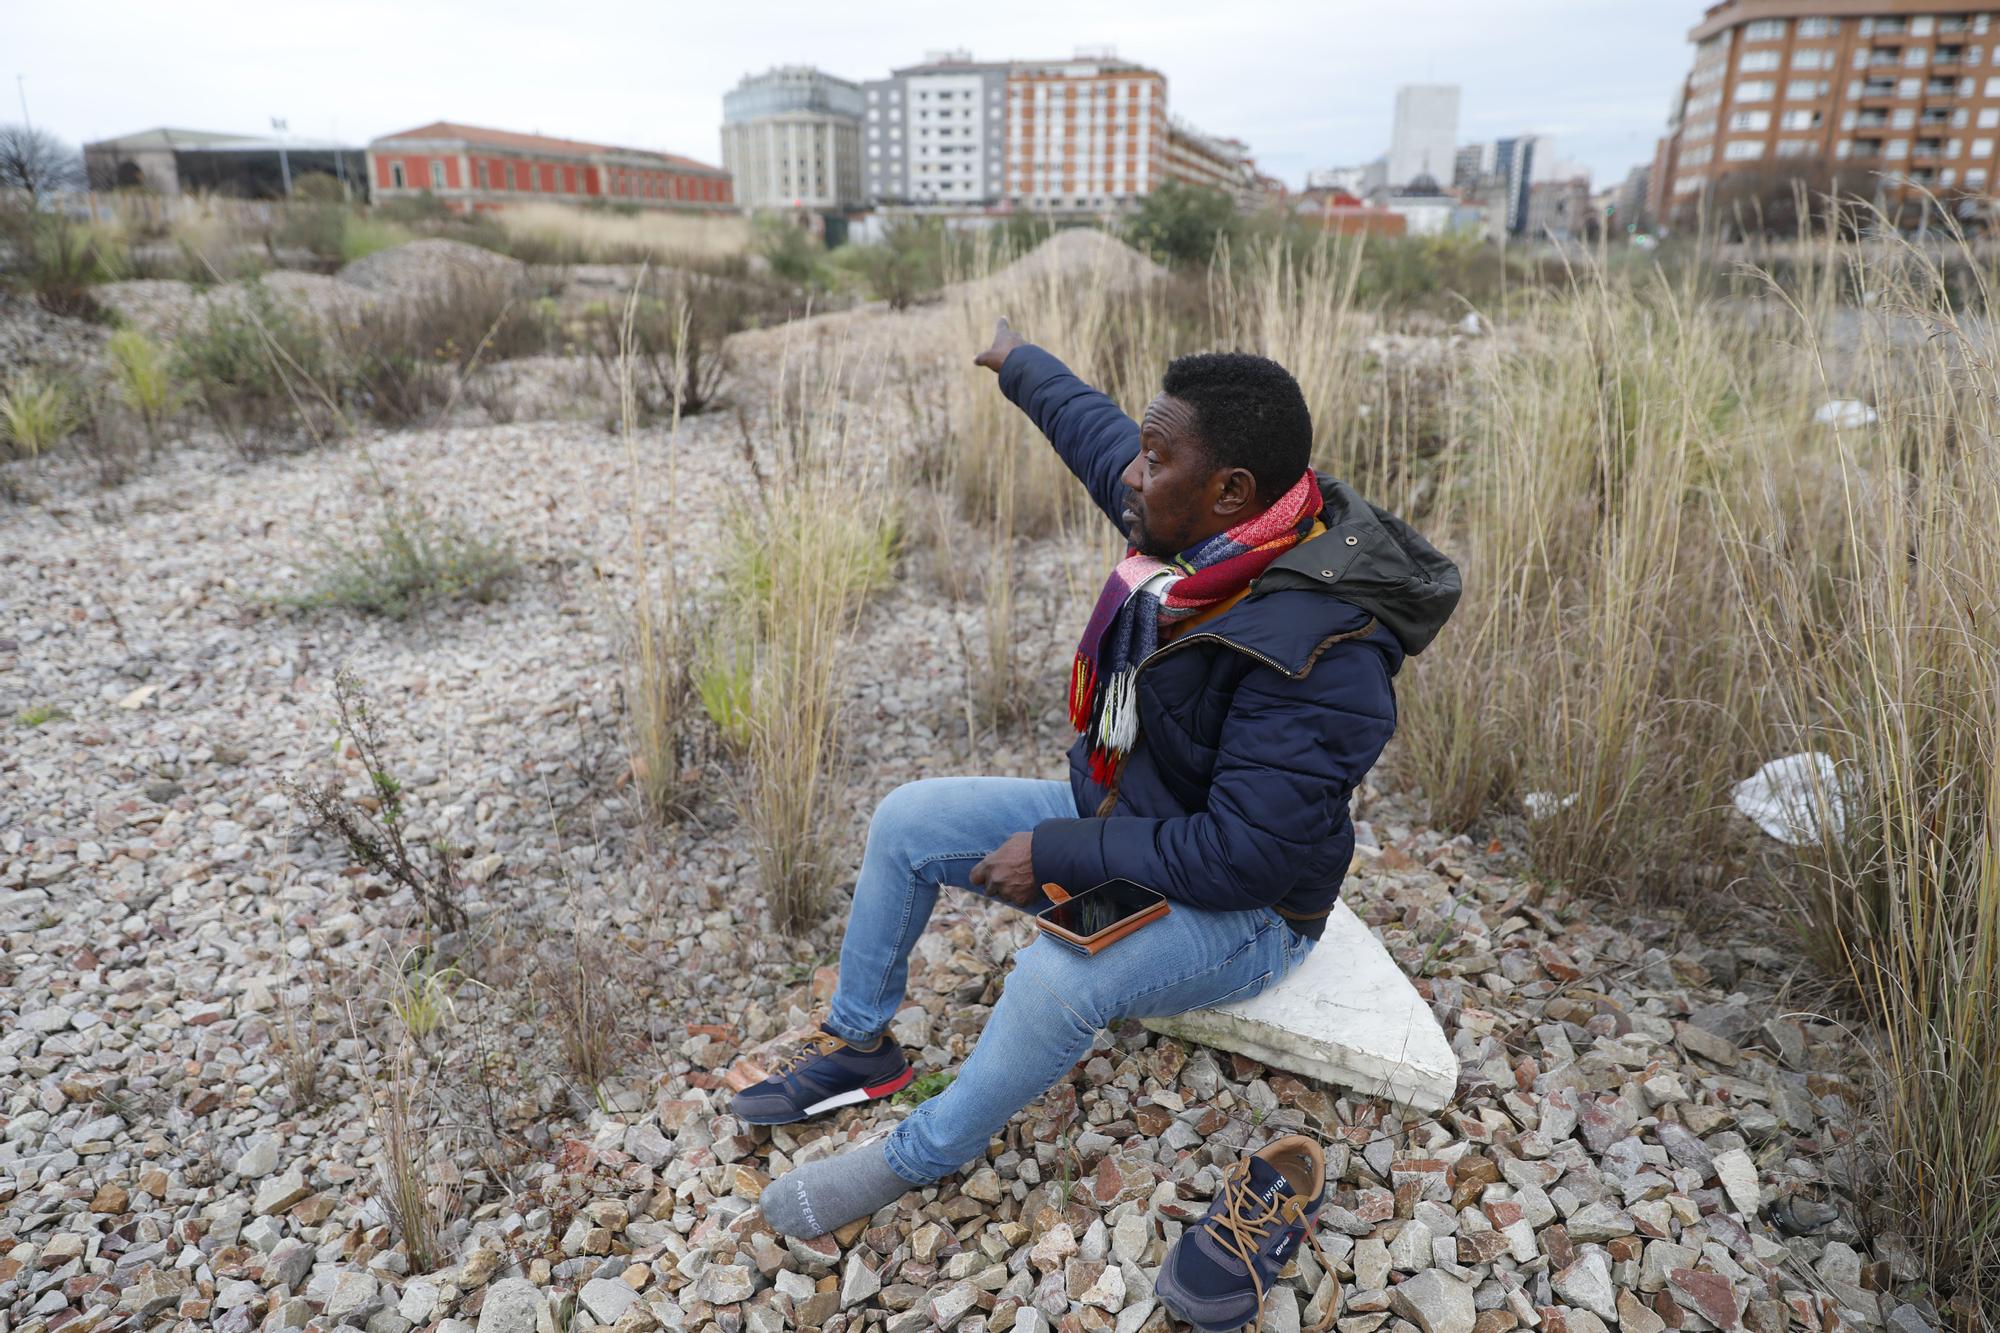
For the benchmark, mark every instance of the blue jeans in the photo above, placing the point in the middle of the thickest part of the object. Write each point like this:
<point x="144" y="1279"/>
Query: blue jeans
<point x="930" y="833"/>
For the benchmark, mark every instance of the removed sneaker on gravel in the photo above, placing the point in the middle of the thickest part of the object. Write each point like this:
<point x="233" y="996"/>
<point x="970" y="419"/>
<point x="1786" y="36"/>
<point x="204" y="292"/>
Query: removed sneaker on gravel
<point x="1216" y="1275"/>
<point x="823" y="1074"/>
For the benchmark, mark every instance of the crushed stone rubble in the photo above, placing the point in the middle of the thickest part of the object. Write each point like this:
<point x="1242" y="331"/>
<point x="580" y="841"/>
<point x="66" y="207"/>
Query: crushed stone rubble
<point x="1645" y="1136"/>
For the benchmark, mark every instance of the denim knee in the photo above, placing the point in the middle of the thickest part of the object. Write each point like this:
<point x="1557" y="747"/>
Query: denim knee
<point x="1057" y="983"/>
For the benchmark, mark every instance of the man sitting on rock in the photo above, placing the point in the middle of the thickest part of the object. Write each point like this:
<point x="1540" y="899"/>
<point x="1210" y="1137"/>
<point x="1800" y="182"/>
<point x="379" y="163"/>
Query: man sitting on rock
<point x="1232" y="687"/>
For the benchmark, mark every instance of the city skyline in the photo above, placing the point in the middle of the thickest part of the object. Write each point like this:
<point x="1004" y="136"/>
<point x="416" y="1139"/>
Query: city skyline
<point x="1258" y="72"/>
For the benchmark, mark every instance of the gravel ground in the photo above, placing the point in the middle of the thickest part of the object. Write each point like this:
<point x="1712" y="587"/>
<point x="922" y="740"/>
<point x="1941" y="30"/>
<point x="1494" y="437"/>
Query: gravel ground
<point x="1646" y="1136"/>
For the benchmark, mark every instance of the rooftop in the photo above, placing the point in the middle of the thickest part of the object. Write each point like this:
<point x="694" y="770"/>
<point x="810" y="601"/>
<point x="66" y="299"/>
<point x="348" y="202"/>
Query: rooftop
<point x="532" y="143"/>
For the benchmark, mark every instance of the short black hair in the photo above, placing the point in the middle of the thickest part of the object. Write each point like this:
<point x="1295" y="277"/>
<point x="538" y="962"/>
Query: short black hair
<point x="1249" y="412"/>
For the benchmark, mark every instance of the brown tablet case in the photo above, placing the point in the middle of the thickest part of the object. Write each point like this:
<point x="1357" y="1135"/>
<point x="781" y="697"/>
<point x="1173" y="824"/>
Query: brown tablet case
<point x="1103" y="939"/>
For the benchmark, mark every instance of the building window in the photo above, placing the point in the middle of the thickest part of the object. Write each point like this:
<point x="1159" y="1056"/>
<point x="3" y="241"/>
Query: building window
<point x="1750" y="120"/>
<point x="1812" y="57"/>
<point x="1980" y="148"/>
<point x="1743" y="150"/>
<point x="1797" y="120"/>
<point x="479" y="172"/>
<point x="1818" y="27"/>
<point x="1805" y="90"/>
<point x="1764" y="30"/>
<point x="437" y="175"/>
<point x="1794" y="148"/>
<point x="396" y="174"/>
<point x="1755" y="90"/>
<point x="1757" y="62"/>
<point x="1975" y="180"/>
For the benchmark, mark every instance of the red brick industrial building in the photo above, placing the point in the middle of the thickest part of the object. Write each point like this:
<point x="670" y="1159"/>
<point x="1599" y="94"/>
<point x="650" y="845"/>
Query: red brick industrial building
<point x="473" y="169"/>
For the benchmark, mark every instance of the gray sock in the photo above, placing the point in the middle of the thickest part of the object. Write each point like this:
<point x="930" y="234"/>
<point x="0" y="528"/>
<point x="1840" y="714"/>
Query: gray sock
<point x="822" y="1196"/>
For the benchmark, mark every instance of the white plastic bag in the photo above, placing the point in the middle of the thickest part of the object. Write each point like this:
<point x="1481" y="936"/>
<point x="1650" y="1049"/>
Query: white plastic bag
<point x="1844" y="414"/>
<point x="1795" y="799"/>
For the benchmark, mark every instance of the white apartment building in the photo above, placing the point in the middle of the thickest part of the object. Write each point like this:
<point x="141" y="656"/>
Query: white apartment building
<point x="935" y="133"/>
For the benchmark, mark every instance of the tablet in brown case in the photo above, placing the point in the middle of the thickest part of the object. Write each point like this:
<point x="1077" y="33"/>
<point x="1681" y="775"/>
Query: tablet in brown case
<point x="1105" y="938"/>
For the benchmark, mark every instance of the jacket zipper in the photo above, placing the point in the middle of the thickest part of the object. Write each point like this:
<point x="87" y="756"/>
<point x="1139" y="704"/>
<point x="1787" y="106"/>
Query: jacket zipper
<point x="1318" y="648"/>
<point x="1158" y="653"/>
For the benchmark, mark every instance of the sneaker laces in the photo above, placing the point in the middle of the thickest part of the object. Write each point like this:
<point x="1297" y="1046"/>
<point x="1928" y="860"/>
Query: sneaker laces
<point x="820" y="1043"/>
<point x="1246" y="1221"/>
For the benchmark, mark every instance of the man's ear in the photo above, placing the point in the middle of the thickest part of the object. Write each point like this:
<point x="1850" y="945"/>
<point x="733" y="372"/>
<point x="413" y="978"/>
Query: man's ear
<point x="1237" y="493"/>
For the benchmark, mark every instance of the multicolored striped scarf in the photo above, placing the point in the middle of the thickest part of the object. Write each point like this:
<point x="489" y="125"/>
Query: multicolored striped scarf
<point x="1145" y="595"/>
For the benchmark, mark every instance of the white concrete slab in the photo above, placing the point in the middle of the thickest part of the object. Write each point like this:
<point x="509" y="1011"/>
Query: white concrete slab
<point x="1347" y="1015"/>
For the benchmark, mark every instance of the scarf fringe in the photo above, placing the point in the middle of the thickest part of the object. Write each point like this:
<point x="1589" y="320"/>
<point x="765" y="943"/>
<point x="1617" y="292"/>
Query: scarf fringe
<point x="1119" y="722"/>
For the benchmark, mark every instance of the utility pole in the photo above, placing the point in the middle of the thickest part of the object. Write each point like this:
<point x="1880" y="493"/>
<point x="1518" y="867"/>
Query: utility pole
<point x="28" y="123"/>
<point x="279" y="123"/>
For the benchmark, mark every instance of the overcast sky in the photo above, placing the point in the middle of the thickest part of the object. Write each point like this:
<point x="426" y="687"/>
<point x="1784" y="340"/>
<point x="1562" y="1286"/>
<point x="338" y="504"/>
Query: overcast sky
<point x="1307" y="83"/>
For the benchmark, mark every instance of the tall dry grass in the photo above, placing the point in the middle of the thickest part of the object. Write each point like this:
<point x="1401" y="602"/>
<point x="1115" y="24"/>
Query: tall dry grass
<point x="577" y="235"/>
<point x="820" y="537"/>
<point x="665" y="736"/>
<point x="1869" y="569"/>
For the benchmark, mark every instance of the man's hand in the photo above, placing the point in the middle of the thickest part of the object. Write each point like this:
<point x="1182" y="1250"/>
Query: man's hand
<point x="1005" y="340"/>
<point x="1009" y="870"/>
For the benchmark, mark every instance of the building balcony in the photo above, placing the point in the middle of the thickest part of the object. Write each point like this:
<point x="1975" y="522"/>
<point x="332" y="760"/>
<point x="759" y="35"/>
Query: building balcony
<point x="1873" y="91"/>
<point x="1941" y="88"/>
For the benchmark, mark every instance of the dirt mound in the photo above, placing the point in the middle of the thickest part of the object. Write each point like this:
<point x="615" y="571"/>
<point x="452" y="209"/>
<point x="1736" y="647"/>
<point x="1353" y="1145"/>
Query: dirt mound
<point x="1081" y="251"/>
<point x="416" y="265"/>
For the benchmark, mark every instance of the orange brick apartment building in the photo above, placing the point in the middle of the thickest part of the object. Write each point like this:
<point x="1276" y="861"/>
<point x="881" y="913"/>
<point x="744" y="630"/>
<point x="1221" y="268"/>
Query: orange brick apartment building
<point x="474" y="169"/>
<point x="1901" y="94"/>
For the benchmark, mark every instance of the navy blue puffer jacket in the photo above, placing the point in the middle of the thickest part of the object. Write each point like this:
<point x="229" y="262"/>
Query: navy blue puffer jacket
<point x="1255" y="727"/>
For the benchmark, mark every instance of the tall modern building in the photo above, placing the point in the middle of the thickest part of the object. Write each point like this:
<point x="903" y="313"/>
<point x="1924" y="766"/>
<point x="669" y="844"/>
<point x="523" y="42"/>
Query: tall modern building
<point x="936" y="133"/>
<point x="1514" y="163"/>
<point x="1424" y="139"/>
<point x="1089" y="133"/>
<point x="1904" y="94"/>
<point x="791" y="138"/>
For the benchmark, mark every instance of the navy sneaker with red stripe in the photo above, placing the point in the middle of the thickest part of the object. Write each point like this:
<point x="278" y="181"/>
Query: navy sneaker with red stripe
<point x="823" y="1074"/>
<point x="1218" y="1272"/>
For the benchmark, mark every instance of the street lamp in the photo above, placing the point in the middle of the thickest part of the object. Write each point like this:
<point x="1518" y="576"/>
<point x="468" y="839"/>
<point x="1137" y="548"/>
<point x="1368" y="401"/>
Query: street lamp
<point x="281" y="125"/>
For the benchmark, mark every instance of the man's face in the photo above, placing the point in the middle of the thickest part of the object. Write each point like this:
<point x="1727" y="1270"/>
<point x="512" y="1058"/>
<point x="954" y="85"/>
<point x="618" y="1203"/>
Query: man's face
<point x="1174" y="489"/>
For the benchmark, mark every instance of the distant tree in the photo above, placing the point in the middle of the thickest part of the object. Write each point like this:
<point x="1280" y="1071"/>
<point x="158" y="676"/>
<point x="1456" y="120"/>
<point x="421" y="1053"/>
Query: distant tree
<point x="36" y="161"/>
<point x="791" y="250"/>
<point x="1780" y="198"/>
<point x="1182" y="223"/>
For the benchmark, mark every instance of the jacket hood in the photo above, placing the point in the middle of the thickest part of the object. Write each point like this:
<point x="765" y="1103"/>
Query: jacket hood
<point x="1374" y="560"/>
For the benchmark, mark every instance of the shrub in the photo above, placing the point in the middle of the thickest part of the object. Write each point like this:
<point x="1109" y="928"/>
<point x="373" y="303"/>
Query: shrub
<point x="36" y="413"/>
<point x="254" y="368"/>
<point x="319" y="228"/>
<point x="669" y="338"/>
<point x="409" y="358"/>
<point x="375" y="828"/>
<point x="65" y="259"/>
<point x="1183" y="224"/>
<point x="791" y="251"/>
<point x="361" y="236"/>
<point x="143" y="374"/>
<point x="908" y="263"/>
<point x="411" y="561"/>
